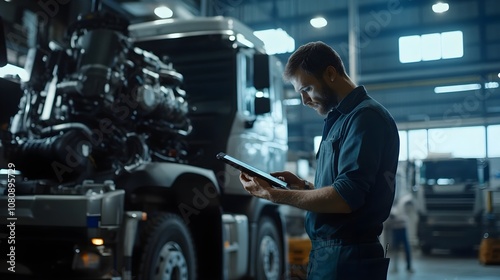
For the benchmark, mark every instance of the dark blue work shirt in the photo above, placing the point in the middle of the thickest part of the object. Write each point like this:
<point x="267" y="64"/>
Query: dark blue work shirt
<point x="358" y="156"/>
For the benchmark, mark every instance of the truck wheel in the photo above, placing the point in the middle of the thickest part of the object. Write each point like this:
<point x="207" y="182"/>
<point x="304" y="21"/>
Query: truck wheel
<point x="167" y="250"/>
<point x="269" y="258"/>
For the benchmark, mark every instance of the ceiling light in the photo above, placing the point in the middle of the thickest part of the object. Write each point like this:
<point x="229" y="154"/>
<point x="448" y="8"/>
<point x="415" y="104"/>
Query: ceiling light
<point x="163" y="12"/>
<point x="498" y="75"/>
<point x="440" y="7"/>
<point x="491" y="85"/>
<point x="318" y="22"/>
<point x="457" y="88"/>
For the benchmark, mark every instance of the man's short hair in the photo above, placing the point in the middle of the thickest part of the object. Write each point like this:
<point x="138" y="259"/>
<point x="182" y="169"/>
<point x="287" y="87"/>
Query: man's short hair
<point x="313" y="58"/>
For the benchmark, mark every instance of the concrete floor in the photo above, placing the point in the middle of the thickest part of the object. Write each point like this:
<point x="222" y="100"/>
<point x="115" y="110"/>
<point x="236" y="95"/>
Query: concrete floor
<point x="441" y="265"/>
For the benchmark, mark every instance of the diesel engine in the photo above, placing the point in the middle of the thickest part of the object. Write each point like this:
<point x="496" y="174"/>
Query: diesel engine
<point x="97" y="106"/>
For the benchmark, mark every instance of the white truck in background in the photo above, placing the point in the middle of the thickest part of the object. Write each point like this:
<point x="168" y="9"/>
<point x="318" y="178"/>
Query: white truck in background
<point x="112" y="171"/>
<point x="450" y="203"/>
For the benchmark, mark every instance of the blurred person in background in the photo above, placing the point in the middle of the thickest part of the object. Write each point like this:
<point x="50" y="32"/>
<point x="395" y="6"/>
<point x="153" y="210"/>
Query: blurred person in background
<point x="397" y="226"/>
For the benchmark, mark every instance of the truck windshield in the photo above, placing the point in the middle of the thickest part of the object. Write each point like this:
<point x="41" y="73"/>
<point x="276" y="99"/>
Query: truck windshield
<point x="448" y="172"/>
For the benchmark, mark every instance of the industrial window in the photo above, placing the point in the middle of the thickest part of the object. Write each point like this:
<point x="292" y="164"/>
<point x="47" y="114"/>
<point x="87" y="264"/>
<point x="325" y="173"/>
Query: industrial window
<point x="403" y="145"/>
<point x="457" y="141"/>
<point x="432" y="46"/>
<point x="317" y="142"/>
<point x="493" y="136"/>
<point x="417" y="144"/>
<point x="276" y="41"/>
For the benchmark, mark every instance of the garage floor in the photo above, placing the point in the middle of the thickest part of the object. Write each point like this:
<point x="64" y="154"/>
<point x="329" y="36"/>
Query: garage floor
<point x="441" y="265"/>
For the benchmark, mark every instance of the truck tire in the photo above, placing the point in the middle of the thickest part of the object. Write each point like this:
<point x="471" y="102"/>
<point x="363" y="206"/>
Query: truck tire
<point x="269" y="258"/>
<point x="167" y="250"/>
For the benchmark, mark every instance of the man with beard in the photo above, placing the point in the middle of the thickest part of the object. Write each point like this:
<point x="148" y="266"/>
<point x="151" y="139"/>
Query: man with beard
<point x="354" y="184"/>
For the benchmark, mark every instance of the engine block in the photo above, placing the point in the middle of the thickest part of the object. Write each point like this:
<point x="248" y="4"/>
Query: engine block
<point x="97" y="104"/>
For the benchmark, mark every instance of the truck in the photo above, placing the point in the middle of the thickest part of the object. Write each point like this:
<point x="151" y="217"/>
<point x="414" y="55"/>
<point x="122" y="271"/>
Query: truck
<point x="450" y="203"/>
<point x="111" y="159"/>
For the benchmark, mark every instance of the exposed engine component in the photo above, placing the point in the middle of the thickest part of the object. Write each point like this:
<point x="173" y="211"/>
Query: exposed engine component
<point x="98" y="104"/>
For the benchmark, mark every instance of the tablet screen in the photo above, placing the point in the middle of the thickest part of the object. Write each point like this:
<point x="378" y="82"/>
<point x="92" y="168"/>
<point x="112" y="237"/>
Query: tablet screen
<point x="275" y="182"/>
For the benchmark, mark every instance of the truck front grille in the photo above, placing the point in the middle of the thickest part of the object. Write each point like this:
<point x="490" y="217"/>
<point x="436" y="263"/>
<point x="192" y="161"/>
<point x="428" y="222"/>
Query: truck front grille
<point x="452" y="202"/>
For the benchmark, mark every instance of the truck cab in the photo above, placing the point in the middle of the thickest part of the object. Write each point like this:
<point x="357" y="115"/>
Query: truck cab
<point x="450" y="203"/>
<point x="235" y="91"/>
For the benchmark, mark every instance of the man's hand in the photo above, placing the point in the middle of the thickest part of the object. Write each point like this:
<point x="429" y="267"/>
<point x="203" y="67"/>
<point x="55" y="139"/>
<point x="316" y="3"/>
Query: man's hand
<point x="256" y="186"/>
<point x="293" y="180"/>
<point x="321" y="200"/>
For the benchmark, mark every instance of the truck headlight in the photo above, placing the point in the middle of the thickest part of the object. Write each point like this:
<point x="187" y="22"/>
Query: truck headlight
<point x="97" y="241"/>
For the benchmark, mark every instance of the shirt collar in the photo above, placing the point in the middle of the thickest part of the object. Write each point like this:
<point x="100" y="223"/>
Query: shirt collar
<point x="351" y="100"/>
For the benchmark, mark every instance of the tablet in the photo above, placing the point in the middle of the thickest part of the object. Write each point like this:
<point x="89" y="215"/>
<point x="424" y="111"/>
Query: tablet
<point x="273" y="181"/>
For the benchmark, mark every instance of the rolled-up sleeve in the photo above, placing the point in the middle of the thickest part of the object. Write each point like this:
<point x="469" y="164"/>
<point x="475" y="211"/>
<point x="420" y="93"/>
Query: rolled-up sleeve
<point x="360" y="156"/>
